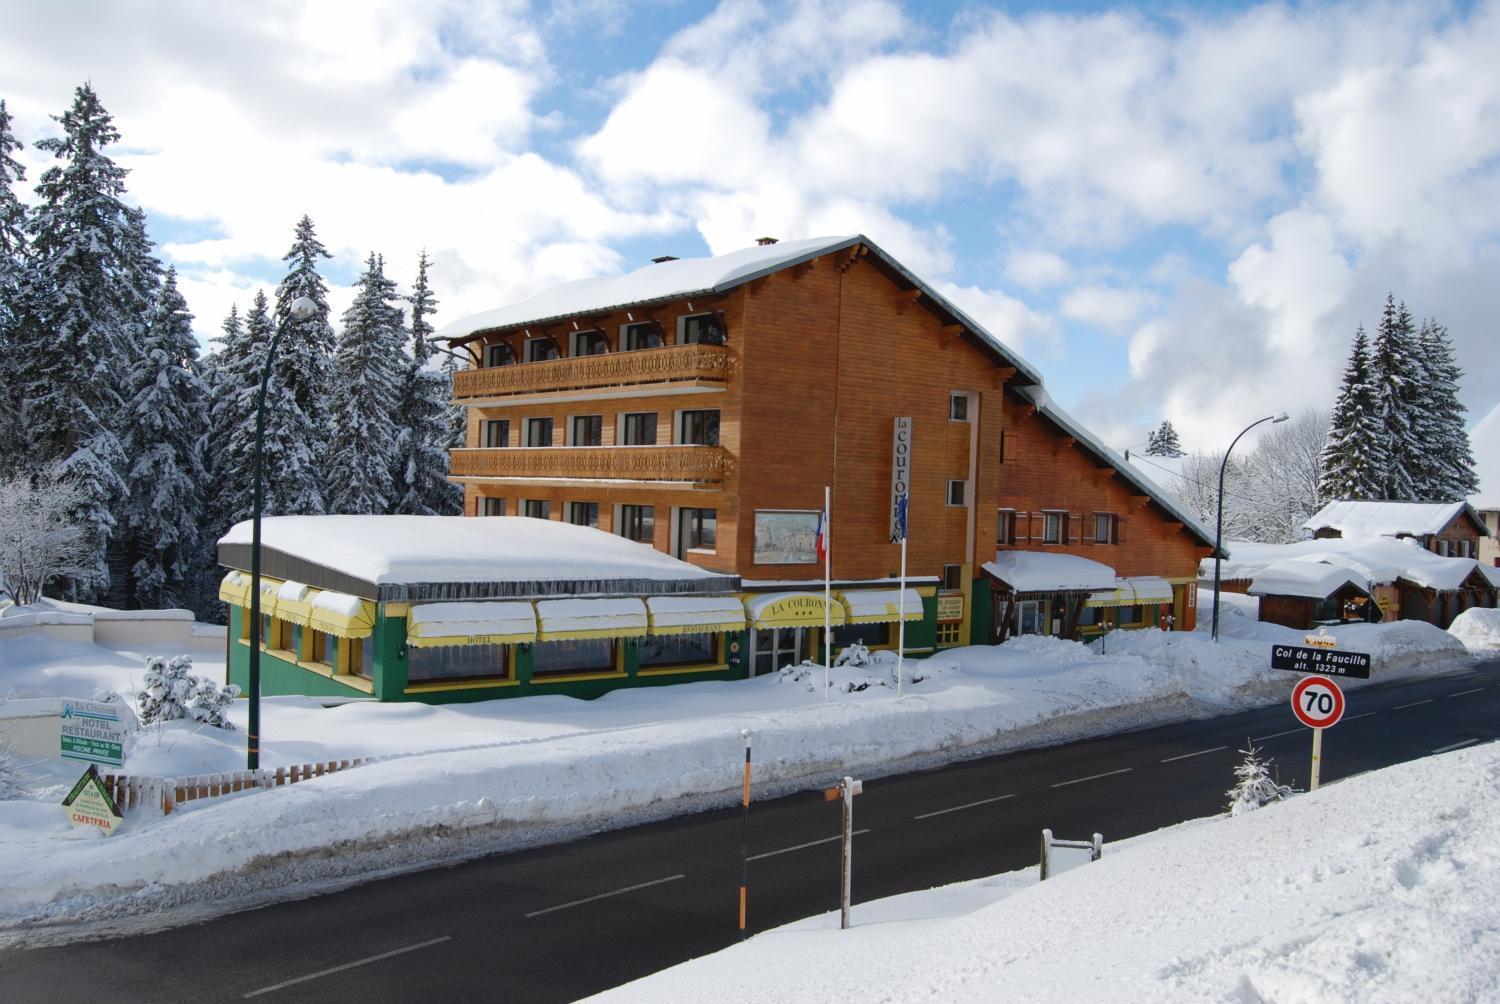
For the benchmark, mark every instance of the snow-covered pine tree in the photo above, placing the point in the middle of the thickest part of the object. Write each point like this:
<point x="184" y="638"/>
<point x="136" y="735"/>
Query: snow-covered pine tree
<point x="367" y="370"/>
<point x="72" y="348"/>
<point x="1448" y="458"/>
<point x="291" y="455"/>
<point x="1162" y="442"/>
<point x="425" y="416"/>
<point x="304" y="357"/>
<point x="165" y="421"/>
<point x="230" y="436"/>
<point x="12" y="268"/>
<point x="1354" y="459"/>
<point x="1397" y="376"/>
<point x="1254" y="786"/>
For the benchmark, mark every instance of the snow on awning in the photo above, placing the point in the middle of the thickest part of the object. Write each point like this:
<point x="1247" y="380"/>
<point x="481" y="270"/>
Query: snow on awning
<point x="434" y="625"/>
<point x="294" y="602"/>
<point x="879" y="606"/>
<point x="694" y="614"/>
<point x="566" y="620"/>
<point x="1151" y="589"/>
<point x="342" y="615"/>
<point x="795" y="609"/>
<point x="1307" y="579"/>
<point x="235" y="589"/>
<point x="1041" y="572"/>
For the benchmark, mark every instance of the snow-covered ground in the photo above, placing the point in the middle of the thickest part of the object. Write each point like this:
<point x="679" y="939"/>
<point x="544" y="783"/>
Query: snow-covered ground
<point x="518" y="772"/>
<point x="1377" y="888"/>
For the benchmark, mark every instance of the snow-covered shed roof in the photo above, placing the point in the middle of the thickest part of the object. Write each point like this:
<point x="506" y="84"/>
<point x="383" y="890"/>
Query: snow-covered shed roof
<point x="461" y="557"/>
<point x="1361" y="518"/>
<point x="1309" y="579"/>
<point x="1379" y="560"/>
<point x="1045" y="572"/>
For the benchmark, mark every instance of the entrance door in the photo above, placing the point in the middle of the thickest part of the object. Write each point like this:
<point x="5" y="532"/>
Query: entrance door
<point x="775" y="648"/>
<point x="1029" y="617"/>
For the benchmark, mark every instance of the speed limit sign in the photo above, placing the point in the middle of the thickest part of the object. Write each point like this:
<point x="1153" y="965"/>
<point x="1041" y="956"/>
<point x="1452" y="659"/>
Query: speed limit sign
<point x="1318" y="702"/>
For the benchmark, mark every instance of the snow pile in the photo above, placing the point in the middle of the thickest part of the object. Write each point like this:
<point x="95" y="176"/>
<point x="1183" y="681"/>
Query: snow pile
<point x="1379" y="887"/>
<point x="1478" y="628"/>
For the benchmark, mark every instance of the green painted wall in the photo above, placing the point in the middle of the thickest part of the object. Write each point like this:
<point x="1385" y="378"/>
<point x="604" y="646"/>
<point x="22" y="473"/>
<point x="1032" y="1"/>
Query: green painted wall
<point x="982" y="616"/>
<point x="277" y="676"/>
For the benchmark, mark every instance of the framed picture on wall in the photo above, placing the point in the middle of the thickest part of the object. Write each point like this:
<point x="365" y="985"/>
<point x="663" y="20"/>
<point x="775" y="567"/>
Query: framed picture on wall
<point x="786" y="536"/>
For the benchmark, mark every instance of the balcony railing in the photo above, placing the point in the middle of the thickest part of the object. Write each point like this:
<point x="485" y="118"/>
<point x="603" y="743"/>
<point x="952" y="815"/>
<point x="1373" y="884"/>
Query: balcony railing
<point x="703" y="464"/>
<point x="672" y="364"/>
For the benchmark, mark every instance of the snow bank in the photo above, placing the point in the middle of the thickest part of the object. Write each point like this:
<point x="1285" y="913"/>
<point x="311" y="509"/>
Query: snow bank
<point x="1478" y="628"/>
<point x="1377" y="888"/>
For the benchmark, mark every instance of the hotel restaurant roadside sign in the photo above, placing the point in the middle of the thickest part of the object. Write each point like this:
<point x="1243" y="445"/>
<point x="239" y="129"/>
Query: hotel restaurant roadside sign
<point x="900" y="468"/>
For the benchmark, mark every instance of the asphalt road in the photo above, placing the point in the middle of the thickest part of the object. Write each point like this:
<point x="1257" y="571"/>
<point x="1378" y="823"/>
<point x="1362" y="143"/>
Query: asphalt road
<point x="560" y="922"/>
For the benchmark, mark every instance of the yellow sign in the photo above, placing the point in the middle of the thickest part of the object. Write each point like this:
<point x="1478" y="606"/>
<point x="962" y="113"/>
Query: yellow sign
<point x="798" y="610"/>
<point x="950" y="608"/>
<point x="1321" y="640"/>
<point x="89" y="804"/>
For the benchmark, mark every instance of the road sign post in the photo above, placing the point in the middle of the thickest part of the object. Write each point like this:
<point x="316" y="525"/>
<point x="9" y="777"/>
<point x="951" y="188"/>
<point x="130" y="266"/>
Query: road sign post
<point x="1318" y="703"/>
<point x="745" y="835"/>
<point x="846" y="791"/>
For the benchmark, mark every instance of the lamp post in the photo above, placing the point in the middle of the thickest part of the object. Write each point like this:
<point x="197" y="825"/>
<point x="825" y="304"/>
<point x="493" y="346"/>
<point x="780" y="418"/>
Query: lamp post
<point x="301" y="309"/>
<point x="1219" y="530"/>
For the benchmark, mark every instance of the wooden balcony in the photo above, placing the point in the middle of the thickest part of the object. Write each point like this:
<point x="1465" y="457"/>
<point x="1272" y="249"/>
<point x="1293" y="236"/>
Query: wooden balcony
<point x="688" y="464"/>
<point x="677" y="365"/>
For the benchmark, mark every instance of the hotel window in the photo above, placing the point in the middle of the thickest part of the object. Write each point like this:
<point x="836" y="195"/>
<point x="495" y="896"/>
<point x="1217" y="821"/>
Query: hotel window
<point x="638" y="429"/>
<point x="697" y="529"/>
<point x="537" y="508"/>
<point x="678" y="650"/>
<point x="1005" y="527"/>
<point x="497" y="432"/>
<point x="949" y="635"/>
<point x="953" y="577"/>
<point x="583" y="513"/>
<point x="491" y="506"/>
<point x="699" y="428"/>
<point x="361" y="657"/>
<point x="701" y="329"/>
<point x="638" y="523"/>
<point x="499" y="354"/>
<point x="589" y="343"/>
<point x="539" y="432"/>
<point x="645" y="335"/>
<point x="1104" y="528"/>
<point x="457" y="662"/>
<point x="958" y="406"/>
<point x="957" y="492"/>
<point x="581" y="655"/>
<point x="588" y="430"/>
<point x="1052" y="527"/>
<point x="540" y="350"/>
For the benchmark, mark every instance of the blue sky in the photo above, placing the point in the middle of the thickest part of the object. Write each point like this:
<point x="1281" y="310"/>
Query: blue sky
<point x="1175" y="211"/>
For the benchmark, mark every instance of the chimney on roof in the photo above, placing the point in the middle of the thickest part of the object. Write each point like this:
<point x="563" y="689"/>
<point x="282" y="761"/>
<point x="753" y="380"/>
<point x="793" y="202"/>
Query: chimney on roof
<point x="663" y="257"/>
<point x="764" y="241"/>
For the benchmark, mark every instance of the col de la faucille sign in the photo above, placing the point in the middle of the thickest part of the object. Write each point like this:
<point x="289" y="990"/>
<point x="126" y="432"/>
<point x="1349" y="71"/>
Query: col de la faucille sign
<point x="92" y="732"/>
<point x="900" y="468"/>
<point x="1323" y="661"/>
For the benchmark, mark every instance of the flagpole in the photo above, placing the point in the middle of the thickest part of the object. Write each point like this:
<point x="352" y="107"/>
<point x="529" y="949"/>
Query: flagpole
<point x="827" y="589"/>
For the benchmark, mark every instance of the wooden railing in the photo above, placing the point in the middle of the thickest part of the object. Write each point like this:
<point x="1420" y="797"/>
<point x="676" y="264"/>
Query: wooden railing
<point x="637" y="463"/>
<point x="611" y="369"/>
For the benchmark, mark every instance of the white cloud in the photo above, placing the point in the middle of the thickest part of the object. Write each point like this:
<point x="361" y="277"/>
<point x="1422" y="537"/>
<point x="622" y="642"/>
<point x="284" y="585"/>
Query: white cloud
<point x="1036" y="269"/>
<point x="1106" y="307"/>
<point x="1008" y="319"/>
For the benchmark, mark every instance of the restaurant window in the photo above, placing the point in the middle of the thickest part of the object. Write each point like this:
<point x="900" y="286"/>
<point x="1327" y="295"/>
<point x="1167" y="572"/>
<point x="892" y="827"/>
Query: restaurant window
<point x="678" y="650"/>
<point x="537" y="508"/>
<point x="583" y="513"/>
<point x="958" y="406"/>
<point x="1005" y="527"/>
<point x="638" y="523"/>
<point x="540" y="350"/>
<point x="957" y="492"/>
<point x="361" y="657"/>
<point x="499" y="354"/>
<point x="489" y="506"/>
<point x="1052" y="527"/>
<point x="1104" y="528"/>
<point x="645" y="335"/>
<point x="317" y="647"/>
<point x="699" y="428"/>
<point x="588" y="430"/>
<point x="868" y="635"/>
<point x="457" y="662"/>
<point x="589" y="343"/>
<point x="953" y="577"/>
<point x="576" y="655"/>
<point x="539" y="432"/>
<point x="697" y="529"/>
<point x="496" y="432"/>
<point x="639" y="429"/>
<point x="701" y="329"/>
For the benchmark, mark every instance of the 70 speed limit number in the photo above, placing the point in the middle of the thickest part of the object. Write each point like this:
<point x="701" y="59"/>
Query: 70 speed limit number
<point x="1317" y="702"/>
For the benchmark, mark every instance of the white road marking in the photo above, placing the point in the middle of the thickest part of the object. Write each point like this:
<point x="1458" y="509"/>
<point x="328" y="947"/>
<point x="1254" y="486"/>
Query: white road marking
<point x="1093" y="777"/>
<point x="1184" y="756"/>
<point x="349" y="965"/>
<point x="605" y="895"/>
<point x="966" y="805"/>
<point x="799" y="847"/>
<point x="1362" y="714"/>
<point x="1277" y="735"/>
<point x="1461" y="693"/>
<point x="1413" y="704"/>
<point x="1454" y="746"/>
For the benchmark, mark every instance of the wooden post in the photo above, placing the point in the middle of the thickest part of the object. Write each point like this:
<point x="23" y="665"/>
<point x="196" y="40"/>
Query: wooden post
<point x="1317" y="758"/>
<point x="848" y="855"/>
<point x="280" y="776"/>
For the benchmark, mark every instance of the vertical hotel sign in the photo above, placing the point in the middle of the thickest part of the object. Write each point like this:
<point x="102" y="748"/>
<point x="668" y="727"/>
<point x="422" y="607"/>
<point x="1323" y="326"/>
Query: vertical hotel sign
<point x="900" y="468"/>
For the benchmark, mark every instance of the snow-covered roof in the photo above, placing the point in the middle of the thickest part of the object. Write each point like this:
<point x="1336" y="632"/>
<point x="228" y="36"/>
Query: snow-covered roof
<point x="497" y="557"/>
<point x="1387" y="519"/>
<point x="1311" y="579"/>
<point x="1379" y="560"/>
<point x="1041" y="572"/>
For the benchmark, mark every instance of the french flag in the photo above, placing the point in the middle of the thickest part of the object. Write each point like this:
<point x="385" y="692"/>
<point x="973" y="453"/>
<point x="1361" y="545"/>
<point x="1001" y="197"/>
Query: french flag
<point x="822" y="539"/>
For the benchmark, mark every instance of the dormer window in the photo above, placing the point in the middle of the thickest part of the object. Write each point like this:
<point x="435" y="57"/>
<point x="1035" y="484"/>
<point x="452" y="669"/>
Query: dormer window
<point x="499" y="354"/>
<point x="589" y="343"/>
<point x="539" y="350"/>
<point x="700" y="329"/>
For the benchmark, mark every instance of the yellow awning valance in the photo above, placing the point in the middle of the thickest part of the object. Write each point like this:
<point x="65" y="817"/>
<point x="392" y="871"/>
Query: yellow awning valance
<point x="801" y="609"/>
<point x="878" y="606"/>
<point x="695" y="614"/>
<point x="1140" y="590"/>
<point x="235" y="589"/>
<point x="1120" y="596"/>
<point x="568" y="620"/>
<point x="434" y="625"/>
<point x="342" y="615"/>
<point x="294" y="602"/>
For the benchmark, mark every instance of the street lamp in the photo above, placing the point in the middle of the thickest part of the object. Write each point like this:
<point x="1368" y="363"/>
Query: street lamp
<point x="301" y="309"/>
<point x="1219" y="531"/>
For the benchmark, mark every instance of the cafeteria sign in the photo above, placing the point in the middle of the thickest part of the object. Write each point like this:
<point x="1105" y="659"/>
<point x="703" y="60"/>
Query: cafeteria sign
<point x="89" y="804"/>
<point x="91" y="731"/>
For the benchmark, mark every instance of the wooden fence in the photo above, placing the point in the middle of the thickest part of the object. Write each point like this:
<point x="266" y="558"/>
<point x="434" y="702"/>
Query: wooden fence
<point x="163" y="794"/>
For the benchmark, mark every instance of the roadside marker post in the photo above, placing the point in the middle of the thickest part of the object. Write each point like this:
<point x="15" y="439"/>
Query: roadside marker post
<point x="745" y="835"/>
<point x="1318" y="703"/>
<point x="845" y="791"/>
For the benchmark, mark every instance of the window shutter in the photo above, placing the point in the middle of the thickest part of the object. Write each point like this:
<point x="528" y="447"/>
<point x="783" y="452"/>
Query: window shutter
<point x="1020" y="528"/>
<point x="1009" y="448"/>
<point x="1089" y="523"/>
<point x="1075" y="528"/>
<point x="1119" y="529"/>
<point x="1037" y="525"/>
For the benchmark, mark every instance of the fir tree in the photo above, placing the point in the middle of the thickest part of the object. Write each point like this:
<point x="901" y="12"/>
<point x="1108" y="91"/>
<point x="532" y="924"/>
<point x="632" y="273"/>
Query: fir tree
<point x="166" y="418"/>
<point x="421" y="474"/>
<point x="291" y="453"/>
<point x="1354" y="459"/>
<point x="1398" y="387"/>
<point x="1162" y="442"/>
<point x="1254" y="786"/>
<point x="367" y="370"/>
<point x="1449" y="457"/>
<point x="304" y="357"/>
<point x="13" y="253"/>
<point x="230" y="436"/>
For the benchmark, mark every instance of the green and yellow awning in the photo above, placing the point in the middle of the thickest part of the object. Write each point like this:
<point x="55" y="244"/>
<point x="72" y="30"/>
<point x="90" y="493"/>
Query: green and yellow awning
<point x="435" y="625"/>
<point x="694" y="614"/>
<point x="569" y="620"/>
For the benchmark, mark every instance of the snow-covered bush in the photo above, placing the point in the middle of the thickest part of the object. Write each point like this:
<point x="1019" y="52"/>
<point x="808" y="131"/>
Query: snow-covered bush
<point x="1254" y="786"/>
<point x="169" y="692"/>
<point x="855" y="655"/>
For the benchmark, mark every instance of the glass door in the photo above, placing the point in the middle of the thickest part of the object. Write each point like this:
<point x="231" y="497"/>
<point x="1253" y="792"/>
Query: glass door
<point x="1029" y="617"/>
<point x="775" y="648"/>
